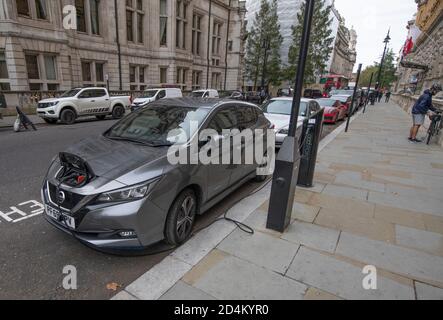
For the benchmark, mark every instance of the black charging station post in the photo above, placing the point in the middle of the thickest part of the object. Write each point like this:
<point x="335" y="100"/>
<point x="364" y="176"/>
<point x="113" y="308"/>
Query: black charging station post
<point x="311" y="136"/>
<point x="287" y="163"/>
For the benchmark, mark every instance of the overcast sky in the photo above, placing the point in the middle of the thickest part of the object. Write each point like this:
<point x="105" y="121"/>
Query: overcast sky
<point x="372" y="19"/>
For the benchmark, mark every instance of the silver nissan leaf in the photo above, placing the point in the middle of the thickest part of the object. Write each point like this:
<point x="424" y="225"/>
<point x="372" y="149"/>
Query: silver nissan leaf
<point x="120" y="191"/>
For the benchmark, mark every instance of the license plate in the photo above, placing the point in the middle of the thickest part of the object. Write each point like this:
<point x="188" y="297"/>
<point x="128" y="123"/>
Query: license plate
<point x="60" y="217"/>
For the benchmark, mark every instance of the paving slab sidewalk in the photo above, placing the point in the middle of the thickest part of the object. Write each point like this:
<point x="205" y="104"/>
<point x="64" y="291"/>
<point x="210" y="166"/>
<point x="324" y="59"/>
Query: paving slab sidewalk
<point x="378" y="201"/>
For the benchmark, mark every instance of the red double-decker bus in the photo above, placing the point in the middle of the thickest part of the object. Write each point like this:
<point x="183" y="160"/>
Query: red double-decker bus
<point x="334" y="81"/>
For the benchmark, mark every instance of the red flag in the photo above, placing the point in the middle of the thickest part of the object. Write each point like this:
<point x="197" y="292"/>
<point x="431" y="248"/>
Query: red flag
<point x="409" y="45"/>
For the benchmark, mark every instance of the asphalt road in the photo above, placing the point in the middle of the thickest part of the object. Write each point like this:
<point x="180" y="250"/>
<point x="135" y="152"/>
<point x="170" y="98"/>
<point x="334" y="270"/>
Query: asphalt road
<point x="33" y="253"/>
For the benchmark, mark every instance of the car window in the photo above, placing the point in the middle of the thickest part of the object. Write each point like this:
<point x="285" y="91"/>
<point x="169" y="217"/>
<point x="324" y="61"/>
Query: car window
<point x="159" y="124"/>
<point x="314" y="107"/>
<point x="98" y="93"/>
<point x="224" y="119"/>
<point x="284" y="107"/>
<point x="161" y="94"/>
<point x="246" y="117"/>
<point x="86" y="94"/>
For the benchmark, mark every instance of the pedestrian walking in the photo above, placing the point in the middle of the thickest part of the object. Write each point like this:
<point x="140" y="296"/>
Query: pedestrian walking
<point x="422" y="107"/>
<point x="380" y="95"/>
<point x="388" y="96"/>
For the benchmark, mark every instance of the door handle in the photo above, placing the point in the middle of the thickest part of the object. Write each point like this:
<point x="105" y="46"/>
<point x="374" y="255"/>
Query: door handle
<point x="92" y="100"/>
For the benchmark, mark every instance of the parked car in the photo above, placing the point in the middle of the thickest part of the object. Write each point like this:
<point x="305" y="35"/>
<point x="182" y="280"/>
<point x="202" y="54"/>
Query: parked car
<point x="346" y="102"/>
<point x="119" y="191"/>
<point x="234" y="95"/>
<point x="334" y="110"/>
<point x="312" y="94"/>
<point x="253" y="97"/>
<point x="209" y="93"/>
<point x="81" y="102"/>
<point x="278" y="112"/>
<point x="285" y="92"/>
<point x="151" y="95"/>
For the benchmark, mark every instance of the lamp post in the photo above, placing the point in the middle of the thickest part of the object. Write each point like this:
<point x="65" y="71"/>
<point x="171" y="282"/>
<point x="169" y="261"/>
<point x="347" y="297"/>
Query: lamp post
<point x="380" y="70"/>
<point x="287" y="164"/>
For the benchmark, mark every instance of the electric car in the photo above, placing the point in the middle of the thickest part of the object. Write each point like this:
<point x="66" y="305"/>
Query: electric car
<point x="121" y="191"/>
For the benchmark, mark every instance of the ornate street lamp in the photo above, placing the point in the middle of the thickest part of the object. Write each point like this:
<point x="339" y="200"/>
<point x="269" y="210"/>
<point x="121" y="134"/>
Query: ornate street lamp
<point x="386" y="42"/>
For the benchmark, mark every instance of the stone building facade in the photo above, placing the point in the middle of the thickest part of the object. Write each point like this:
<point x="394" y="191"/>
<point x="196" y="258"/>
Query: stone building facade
<point x="424" y="65"/>
<point x="132" y="44"/>
<point x="344" y="55"/>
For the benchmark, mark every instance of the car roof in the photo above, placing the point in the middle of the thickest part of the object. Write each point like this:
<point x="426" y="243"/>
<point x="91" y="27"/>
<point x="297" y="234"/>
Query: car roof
<point x="290" y="99"/>
<point x="190" y="102"/>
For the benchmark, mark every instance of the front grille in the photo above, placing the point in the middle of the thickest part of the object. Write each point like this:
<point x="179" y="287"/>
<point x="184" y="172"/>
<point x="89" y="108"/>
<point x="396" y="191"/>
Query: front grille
<point x="70" y="201"/>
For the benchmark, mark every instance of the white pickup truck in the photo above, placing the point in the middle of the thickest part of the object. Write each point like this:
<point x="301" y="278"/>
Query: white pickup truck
<point x="82" y="102"/>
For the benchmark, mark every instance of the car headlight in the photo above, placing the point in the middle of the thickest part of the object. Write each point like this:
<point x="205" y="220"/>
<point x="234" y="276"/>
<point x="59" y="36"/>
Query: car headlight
<point x="284" y="131"/>
<point x="51" y="104"/>
<point x="127" y="194"/>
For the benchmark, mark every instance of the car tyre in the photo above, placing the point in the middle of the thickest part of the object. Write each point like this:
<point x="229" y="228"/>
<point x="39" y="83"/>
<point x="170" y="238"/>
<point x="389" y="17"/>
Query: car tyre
<point x="50" y="121"/>
<point x="181" y="218"/>
<point x="101" y="117"/>
<point x="68" y="116"/>
<point x="118" y="112"/>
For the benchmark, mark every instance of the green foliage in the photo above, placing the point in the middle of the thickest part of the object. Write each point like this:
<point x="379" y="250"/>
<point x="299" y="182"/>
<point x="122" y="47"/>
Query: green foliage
<point x="320" y="46"/>
<point x="388" y="76"/>
<point x="264" y="27"/>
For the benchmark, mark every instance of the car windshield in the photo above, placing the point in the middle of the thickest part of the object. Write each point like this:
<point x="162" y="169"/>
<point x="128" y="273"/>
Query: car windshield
<point x="340" y="98"/>
<point x="197" y="94"/>
<point x="283" y="107"/>
<point x="326" y="102"/>
<point x="159" y="125"/>
<point x="70" y="93"/>
<point x="341" y="92"/>
<point x="149" y="94"/>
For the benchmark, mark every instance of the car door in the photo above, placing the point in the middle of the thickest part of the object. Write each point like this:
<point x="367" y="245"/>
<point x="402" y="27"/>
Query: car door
<point x="244" y="141"/>
<point x="219" y="175"/>
<point x="100" y="101"/>
<point x="84" y="105"/>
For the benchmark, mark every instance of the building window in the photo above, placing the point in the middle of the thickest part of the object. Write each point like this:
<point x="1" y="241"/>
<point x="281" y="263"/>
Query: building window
<point x="93" y="73"/>
<point x="196" y="80"/>
<point x="95" y="22"/>
<point x="163" y="75"/>
<point x="88" y="16"/>
<point x="216" y="83"/>
<point x="86" y="71"/>
<point x="137" y="77"/>
<point x="230" y="45"/>
<point x="182" y="77"/>
<point x="32" y="66"/>
<point x="134" y="20"/>
<point x="81" y="21"/>
<point x="216" y="38"/>
<point x="23" y="8"/>
<point x="196" y="34"/>
<point x="163" y="23"/>
<point x="4" y="75"/>
<point x="181" y="24"/>
<point x="42" y="71"/>
<point x="35" y="9"/>
<point x="216" y="62"/>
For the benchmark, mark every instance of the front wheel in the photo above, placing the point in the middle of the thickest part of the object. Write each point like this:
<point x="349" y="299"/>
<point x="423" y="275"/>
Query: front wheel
<point x="430" y="133"/>
<point x="68" y="116"/>
<point x="181" y="217"/>
<point x="118" y="112"/>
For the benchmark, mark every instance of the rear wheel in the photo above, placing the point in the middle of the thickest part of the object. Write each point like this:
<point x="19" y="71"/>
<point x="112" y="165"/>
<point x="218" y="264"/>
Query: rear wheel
<point x="101" y="117"/>
<point x="181" y="217"/>
<point x="118" y="112"/>
<point x="50" y="121"/>
<point x="68" y="116"/>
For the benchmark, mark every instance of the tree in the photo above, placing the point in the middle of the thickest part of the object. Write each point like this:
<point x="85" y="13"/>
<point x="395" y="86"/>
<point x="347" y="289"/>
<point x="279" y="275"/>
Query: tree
<point x="388" y="73"/>
<point x="320" y="45"/>
<point x="265" y="27"/>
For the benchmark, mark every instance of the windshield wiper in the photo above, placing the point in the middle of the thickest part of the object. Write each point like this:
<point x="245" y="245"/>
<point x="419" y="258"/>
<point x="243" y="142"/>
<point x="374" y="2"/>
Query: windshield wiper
<point x="141" y="142"/>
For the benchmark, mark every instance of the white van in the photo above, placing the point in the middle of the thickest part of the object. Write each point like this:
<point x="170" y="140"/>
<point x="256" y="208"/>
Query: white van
<point x="209" y="93"/>
<point x="151" y="95"/>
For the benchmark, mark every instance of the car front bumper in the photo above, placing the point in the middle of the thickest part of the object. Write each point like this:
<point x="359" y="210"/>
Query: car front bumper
<point x="48" y="113"/>
<point x="99" y="226"/>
